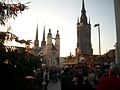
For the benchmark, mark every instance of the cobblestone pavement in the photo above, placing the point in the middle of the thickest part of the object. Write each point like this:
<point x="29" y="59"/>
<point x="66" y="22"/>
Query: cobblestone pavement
<point x="54" y="86"/>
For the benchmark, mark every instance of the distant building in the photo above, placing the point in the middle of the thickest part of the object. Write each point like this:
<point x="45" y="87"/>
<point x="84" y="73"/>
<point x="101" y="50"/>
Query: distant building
<point x="48" y="50"/>
<point x="70" y="60"/>
<point x="117" y="18"/>
<point x="83" y="34"/>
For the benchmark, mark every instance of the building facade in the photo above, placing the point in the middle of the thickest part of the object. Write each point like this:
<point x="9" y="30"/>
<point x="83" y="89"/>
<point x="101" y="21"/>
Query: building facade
<point x="84" y="45"/>
<point x="49" y="51"/>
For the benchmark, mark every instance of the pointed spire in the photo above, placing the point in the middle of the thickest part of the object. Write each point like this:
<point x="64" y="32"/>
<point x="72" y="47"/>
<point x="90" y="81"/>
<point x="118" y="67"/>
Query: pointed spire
<point x="83" y="7"/>
<point x="70" y="54"/>
<point x="57" y="35"/>
<point x="49" y="35"/>
<point x="44" y="34"/>
<point x="83" y="18"/>
<point x="43" y="43"/>
<point x="36" y="33"/>
<point x="49" y="32"/>
<point x="36" y="42"/>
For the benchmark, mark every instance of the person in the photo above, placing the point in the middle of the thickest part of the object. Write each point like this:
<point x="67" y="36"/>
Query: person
<point x="80" y="83"/>
<point x="92" y="78"/>
<point x="66" y="78"/>
<point x="110" y="82"/>
<point x="46" y="78"/>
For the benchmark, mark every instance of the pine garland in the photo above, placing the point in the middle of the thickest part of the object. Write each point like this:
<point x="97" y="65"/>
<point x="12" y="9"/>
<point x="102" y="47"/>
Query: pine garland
<point x="10" y="11"/>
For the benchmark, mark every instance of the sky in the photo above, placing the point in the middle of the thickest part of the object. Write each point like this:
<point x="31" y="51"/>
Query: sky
<point x="62" y="15"/>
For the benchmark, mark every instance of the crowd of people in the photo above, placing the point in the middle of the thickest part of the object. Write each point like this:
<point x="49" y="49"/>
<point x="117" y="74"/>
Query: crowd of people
<point x="44" y="75"/>
<point x="79" y="77"/>
<point x="73" y="77"/>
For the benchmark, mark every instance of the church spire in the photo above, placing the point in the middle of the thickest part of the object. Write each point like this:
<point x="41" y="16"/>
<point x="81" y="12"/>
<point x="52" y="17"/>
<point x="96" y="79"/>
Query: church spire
<point x="44" y="34"/>
<point x="36" y="42"/>
<point x="57" y="35"/>
<point x="36" y="33"/>
<point x="49" y="34"/>
<point x="43" y="41"/>
<point x="83" y="8"/>
<point x="83" y="18"/>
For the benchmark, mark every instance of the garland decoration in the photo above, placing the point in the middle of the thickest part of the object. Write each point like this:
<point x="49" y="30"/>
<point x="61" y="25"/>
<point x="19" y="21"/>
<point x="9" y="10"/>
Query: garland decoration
<point x="10" y="11"/>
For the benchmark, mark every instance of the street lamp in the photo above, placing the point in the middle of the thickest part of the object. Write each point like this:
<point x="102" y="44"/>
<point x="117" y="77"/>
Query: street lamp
<point x="98" y="25"/>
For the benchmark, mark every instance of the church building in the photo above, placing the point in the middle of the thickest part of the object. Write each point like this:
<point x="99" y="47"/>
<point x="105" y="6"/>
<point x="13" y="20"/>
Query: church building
<point x="84" y="46"/>
<point x="49" y="50"/>
<point x="83" y="34"/>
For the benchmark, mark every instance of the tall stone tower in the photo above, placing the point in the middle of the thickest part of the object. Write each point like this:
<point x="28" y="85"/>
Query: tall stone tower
<point x="48" y="47"/>
<point x="36" y="48"/>
<point x="57" y="45"/>
<point x="53" y="50"/>
<point x="83" y="34"/>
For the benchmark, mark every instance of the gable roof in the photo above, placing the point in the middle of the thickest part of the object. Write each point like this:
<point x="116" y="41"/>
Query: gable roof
<point x="53" y="47"/>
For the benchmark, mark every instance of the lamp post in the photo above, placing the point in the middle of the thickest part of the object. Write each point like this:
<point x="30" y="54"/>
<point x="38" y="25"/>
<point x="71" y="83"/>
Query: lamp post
<point x="98" y="25"/>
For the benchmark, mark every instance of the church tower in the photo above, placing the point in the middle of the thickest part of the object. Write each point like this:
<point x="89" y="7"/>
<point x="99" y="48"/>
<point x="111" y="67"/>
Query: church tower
<point x="36" y="42"/>
<point x="53" y="49"/>
<point x="57" y="45"/>
<point x="36" y="48"/>
<point x="43" y="45"/>
<point x="48" y="47"/>
<point x="83" y="34"/>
